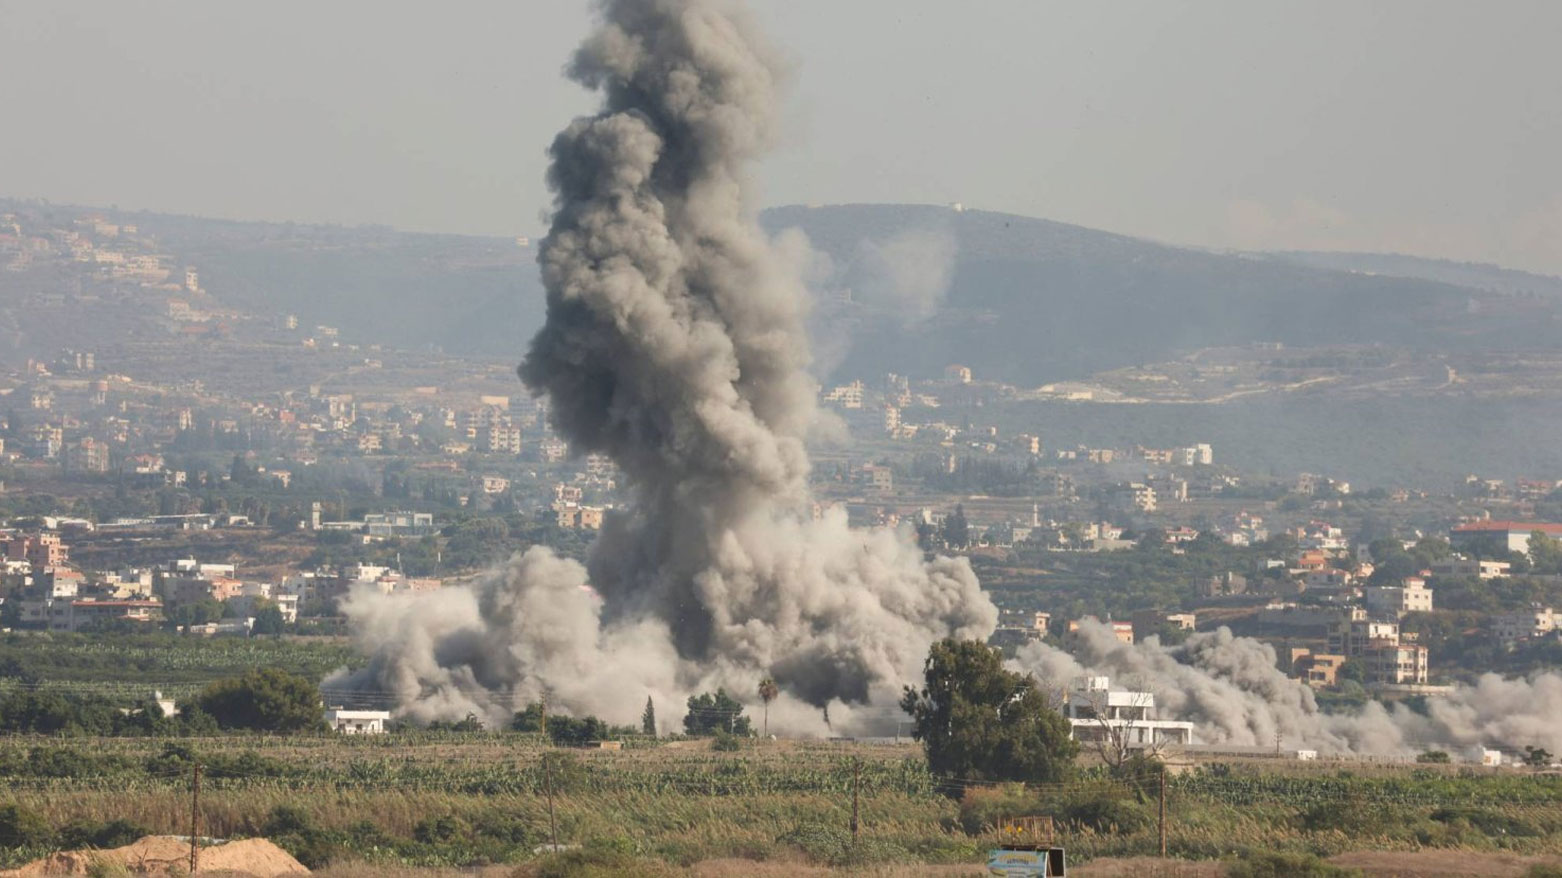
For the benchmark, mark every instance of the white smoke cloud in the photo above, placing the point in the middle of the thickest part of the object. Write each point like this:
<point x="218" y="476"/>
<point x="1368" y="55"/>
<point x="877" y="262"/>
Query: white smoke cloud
<point x="674" y="344"/>
<point x="908" y="273"/>
<point x="1234" y="692"/>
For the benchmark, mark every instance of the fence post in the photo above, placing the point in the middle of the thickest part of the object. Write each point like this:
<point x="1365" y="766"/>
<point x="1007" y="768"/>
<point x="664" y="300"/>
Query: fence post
<point x="195" y="818"/>
<point x="1163" y="812"/>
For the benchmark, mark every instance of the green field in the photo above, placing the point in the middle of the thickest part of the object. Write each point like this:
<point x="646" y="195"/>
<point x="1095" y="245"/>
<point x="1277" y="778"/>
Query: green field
<point x="437" y="799"/>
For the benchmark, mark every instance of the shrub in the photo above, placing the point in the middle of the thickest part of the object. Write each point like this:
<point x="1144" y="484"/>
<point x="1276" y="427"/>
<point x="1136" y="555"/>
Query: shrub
<point x="726" y="743"/>
<point x="20" y="827"/>
<point x="1277" y="865"/>
<point x="113" y="834"/>
<point x="288" y="820"/>
<point x="982" y="808"/>
<point x="444" y="829"/>
<point x="1109" y="809"/>
<point x="599" y="858"/>
<point x="821" y="842"/>
<point x="1544" y="870"/>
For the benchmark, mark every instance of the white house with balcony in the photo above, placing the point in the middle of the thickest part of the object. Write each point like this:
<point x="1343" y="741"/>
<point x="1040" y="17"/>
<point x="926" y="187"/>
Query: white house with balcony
<point x="1096" y="712"/>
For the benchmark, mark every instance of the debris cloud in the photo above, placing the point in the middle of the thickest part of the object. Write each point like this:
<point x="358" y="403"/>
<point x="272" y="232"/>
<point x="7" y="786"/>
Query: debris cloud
<point x="675" y="345"/>
<point x="1234" y="692"/>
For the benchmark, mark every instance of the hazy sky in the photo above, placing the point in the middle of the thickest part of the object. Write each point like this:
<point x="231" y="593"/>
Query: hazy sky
<point x="1420" y="126"/>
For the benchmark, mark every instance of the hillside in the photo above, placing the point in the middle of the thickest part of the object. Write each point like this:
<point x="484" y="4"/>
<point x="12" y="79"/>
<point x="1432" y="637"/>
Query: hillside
<point x="463" y="294"/>
<point x="899" y="288"/>
<point x="1476" y="275"/>
<point x="1030" y="301"/>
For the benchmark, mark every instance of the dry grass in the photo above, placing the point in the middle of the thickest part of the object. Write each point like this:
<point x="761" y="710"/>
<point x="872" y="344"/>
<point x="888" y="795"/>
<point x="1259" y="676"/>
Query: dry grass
<point x="1148" y="867"/>
<point x="1437" y="864"/>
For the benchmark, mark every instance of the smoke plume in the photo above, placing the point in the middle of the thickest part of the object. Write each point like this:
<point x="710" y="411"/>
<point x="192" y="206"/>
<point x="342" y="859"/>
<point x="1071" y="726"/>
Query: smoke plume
<point x="674" y="344"/>
<point x="1233" y="691"/>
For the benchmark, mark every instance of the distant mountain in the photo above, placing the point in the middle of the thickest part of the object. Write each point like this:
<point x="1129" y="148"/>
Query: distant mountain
<point x="900" y="288"/>
<point x="1032" y="301"/>
<point x="1476" y="275"/>
<point x="463" y="294"/>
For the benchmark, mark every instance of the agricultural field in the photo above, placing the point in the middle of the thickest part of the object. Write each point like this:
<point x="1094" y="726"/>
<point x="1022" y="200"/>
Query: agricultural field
<point x="136" y="663"/>
<point x="432" y="800"/>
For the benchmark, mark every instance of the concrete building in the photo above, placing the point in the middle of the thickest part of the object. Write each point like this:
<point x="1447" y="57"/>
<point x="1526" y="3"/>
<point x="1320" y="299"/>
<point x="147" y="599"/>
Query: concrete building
<point x="1131" y="496"/>
<point x="1397" y="664"/>
<point x="79" y="615"/>
<point x="1097" y="713"/>
<point x="1471" y="567"/>
<point x="41" y="550"/>
<point x="1511" y="536"/>
<point x="1511" y="628"/>
<point x="357" y="722"/>
<point x="1412" y="596"/>
<point x="1317" y="669"/>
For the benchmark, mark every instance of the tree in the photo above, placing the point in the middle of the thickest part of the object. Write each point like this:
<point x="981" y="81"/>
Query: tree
<point x="956" y="531"/>
<point x="268" y="619"/>
<point x="530" y="719"/>
<point x="1545" y="553"/>
<point x="1537" y="757"/>
<point x="767" y="693"/>
<point x="978" y="721"/>
<point x="1352" y="670"/>
<point x="569" y="731"/>
<point x="709" y="714"/>
<point x="648" y="718"/>
<point x="267" y="699"/>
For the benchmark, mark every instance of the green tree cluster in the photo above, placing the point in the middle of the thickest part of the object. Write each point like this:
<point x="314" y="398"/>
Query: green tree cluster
<point x="268" y="700"/>
<point x="711" y="713"/>
<point x="980" y="721"/>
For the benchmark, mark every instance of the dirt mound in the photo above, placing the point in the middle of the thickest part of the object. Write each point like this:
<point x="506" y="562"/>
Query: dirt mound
<point x="169" y="855"/>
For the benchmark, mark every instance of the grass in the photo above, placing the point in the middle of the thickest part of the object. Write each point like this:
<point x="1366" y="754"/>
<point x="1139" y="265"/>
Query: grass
<point x="443" y="801"/>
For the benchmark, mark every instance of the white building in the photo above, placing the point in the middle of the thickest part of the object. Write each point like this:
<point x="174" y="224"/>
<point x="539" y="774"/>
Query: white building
<point x="1411" y="597"/>
<point x="357" y="722"/>
<point x="1096" y="712"/>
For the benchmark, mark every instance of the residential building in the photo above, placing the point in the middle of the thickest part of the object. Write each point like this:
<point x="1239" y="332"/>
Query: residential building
<point x="1412" y="596"/>
<point x="41" y="550"/>
<point x="1397" y="664"/>
<point x="1097" y="713"/>
<point x="357" y="722"/>
<point x="1355" y="631"/>
<point x="87" y="456"/>
<point x="1123" y="631"/>
<point x="80" y="615"/>
<point x="1510" y="536"/>
<point x="399" y="524"/>
<point x="1131" y="496"/>
<point x="1317" y="669"/>
<point x="1471" y="567"/>
<point x="1511" y="628"/>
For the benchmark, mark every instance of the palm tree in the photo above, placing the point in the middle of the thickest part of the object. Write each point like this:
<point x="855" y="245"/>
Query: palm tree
<point x="767" y="693"/>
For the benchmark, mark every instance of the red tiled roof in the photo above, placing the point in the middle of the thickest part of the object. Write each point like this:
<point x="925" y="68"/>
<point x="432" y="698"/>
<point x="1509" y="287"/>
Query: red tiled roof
<point x="1505" y="526"/>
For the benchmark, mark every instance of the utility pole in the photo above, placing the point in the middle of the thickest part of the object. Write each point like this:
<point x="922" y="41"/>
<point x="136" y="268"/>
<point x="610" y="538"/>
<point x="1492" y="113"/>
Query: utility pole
<point x="856" y="784"/>
<point x="195" y="818"/>
<point x="1163" y="812"/>
<point x="553" y="825"/>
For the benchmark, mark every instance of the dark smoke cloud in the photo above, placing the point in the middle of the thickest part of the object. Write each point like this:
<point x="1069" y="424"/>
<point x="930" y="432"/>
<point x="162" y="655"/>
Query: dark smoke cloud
<point x="674" y="344"/>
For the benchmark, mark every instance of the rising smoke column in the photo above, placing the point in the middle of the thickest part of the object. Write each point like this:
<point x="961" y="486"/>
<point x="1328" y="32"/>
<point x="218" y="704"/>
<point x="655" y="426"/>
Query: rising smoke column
<point x="1233" y="691"/>
<point x="674" y="344"/>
